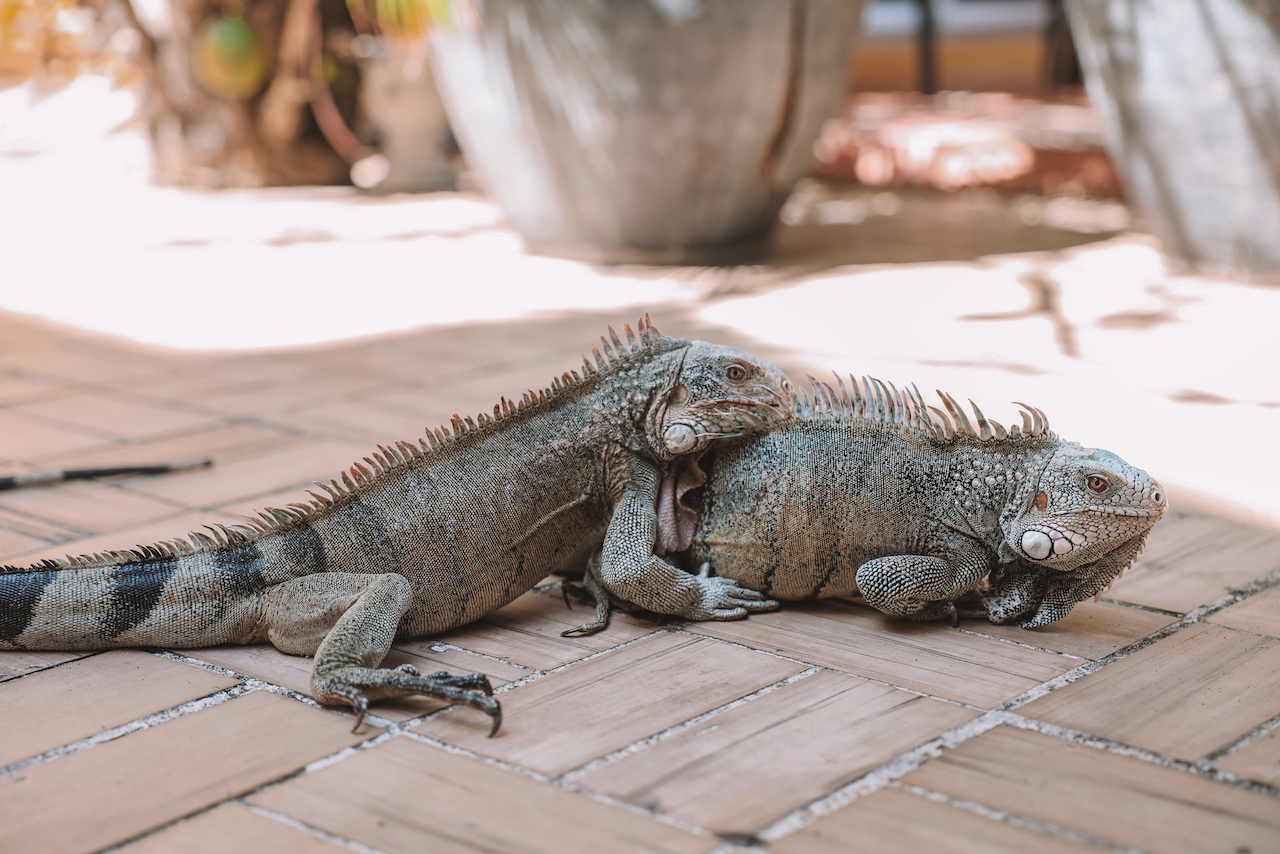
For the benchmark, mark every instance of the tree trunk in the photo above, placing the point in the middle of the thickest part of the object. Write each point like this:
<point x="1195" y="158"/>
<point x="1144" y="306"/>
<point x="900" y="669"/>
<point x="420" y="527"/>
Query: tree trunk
<point x="251" y="127"/>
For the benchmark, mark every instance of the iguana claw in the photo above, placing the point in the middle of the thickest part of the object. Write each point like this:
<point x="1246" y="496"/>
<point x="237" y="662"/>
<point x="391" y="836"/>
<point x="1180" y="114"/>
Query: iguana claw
<point x="358" y="685"/>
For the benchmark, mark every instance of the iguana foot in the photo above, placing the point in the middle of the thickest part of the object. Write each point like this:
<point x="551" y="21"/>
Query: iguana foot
<point x="472" y="682"/>
<point x="724" y="599"/>
<point x="589" y="590"/>
<point x="357" y="686"/>
<point x="928" y="612"/>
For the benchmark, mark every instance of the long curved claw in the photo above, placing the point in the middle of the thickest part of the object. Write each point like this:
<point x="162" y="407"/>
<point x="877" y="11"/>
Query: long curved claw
<point x="360" y="705"/>
<point x="355" y="685"/>
<point x="496" y="714"/>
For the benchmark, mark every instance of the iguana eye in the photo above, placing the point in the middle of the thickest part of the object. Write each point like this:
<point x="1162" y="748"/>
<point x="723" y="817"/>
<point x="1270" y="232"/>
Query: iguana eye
<point x="736" y="372"/>
<point x="1098" y="483"/>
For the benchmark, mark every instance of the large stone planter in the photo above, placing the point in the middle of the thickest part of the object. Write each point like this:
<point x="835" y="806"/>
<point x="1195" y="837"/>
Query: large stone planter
<point x="1189" y="91"/>
<point x="664" y="131"/>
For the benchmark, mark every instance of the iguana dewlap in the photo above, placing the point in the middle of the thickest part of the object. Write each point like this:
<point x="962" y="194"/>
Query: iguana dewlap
<point x="866" y="491"/>
<point x="423" y="537"/>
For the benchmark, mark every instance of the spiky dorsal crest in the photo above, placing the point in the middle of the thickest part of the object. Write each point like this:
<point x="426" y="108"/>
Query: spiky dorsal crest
<point x="875" y="400"/>
<point x="645" y="340"/>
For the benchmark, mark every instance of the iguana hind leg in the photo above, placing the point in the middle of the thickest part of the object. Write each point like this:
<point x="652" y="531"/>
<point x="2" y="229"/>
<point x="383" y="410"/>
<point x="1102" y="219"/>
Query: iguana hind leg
<point x="348" y="621"/>
<point x="920" y="587"/>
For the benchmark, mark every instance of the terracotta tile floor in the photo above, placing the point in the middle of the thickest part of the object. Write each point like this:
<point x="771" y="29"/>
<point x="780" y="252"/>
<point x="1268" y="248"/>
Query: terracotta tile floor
<point x="1147" y="721"/>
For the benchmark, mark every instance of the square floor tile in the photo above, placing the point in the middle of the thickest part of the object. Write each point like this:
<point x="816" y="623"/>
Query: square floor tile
<point x="1196" y="560"/>
<point x="1258" y="760"/>
<point x="1159" y="697"/>
<point x="115" y="791"/>
<point x="1119" y="799"/>
<point x="82" y="698"/>
<point x="931" y="659"/>
<point x="572" y="716"/>
<point x="233" y="827"/>
<point x="405" y="796"/>
<point x="743" y="769"/>
<point x="1259" y="613"/>
<point x="1092" y="630"/>
<point x="527" y="632"/>
<point x="892" y="821"/>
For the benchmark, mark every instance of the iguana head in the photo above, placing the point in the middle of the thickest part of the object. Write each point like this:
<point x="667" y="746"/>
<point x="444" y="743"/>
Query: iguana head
<point x="1083" y="522"/>
<point x="1086" y="502"/>
<point x="719" y="393"/>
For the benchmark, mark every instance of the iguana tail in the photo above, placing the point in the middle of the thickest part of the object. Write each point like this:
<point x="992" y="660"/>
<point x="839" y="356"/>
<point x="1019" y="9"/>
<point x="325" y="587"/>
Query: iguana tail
<point x="171" y="594"/>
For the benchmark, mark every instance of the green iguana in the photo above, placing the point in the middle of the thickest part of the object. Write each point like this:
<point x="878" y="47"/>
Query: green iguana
<point x="425" y="537"/>
<point x="865" y="492"/>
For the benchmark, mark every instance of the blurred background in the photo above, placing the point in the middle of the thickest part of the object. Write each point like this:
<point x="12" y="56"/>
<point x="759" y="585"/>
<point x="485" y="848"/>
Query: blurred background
<point x="1073" y="204"/>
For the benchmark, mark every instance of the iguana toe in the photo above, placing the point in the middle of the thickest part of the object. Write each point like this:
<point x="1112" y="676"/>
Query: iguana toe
<point x="357" y="686"/>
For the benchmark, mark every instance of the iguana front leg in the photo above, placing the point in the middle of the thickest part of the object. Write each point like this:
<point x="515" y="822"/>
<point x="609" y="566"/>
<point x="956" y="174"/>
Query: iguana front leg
<point x="348" y="621"/>
<point x="630" y="570"/>
<point x="919" y="587"/>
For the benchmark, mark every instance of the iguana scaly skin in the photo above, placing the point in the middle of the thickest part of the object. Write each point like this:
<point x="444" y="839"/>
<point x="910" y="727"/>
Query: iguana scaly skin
<point x="421" y="538"/>
<point x="865" y="491"/>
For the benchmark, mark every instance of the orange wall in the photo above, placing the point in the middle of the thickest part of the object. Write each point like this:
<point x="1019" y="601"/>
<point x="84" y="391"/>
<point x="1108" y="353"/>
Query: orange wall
<point x="1007" y="63"/>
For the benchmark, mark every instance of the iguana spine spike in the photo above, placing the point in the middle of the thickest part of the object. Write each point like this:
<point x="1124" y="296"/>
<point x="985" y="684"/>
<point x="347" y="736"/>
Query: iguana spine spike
<point x="998" y="429"/>
<point x="1037" y="425"/>
<point x="609" y="355"/>
<point x="600" y="362"/>
<point x="618" y="346"/>
<point x="948" y="430"/>
<point x="984" y="427"/>
<point x="962" y="420"/>
<point x="631" y="337"/>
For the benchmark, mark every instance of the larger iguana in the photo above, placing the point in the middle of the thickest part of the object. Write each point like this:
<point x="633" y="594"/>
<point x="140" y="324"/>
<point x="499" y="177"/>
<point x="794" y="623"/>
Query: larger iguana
<point x="865" y="492"/>
<point x="432" y="535"/>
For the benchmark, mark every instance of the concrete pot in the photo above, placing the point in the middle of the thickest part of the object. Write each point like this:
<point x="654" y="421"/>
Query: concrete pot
<point x="1189" y="91"/>
<point x="660" y="131"/>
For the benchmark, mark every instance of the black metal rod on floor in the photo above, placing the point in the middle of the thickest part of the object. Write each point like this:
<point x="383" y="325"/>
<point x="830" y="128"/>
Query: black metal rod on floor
<point x="43" y="476"/>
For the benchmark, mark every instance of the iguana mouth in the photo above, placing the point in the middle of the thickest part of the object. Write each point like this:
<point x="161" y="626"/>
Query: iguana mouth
<point x="771" y="409"/>
<point x="1111" y="511"/>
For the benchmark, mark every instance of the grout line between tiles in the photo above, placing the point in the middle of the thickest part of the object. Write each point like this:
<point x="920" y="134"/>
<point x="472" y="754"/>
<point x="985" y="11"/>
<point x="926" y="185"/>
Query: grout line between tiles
<point x="915" y="691"/>
<point x="881" y="776"/>
<point x="1243" y="741"/>
<point x="975" y="633"/>
<point x="1121" y="749"/>
<point x="1006" y="817"/>
<point x="309" y="829"/>
<point x="15" y="677"/>
<point x="1137" y="606"/>
<point x="573" y="774"/>
<point x="599" y="797"/>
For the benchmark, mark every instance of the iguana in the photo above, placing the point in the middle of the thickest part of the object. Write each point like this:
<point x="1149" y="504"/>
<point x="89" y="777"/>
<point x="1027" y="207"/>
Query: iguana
<point x="423" y="537"/>
<point x="868" y="489"/>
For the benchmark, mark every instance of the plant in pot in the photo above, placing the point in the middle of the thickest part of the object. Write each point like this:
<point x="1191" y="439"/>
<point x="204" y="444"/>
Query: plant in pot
<point x="274" y="92"/>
